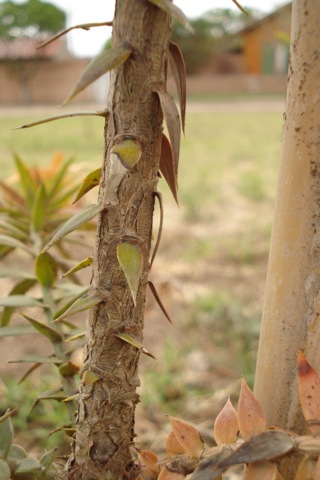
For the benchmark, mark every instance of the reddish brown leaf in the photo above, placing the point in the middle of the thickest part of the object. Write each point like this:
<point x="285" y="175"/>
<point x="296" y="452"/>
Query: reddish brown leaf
<point x="173" y="447"/>
<point x="159" y="197"/>
<point x="188" y="437"/>
<point x="226" y="426"/>
<point x="158" y="300"/>
<point x="251" y="417"/>
<point x="179" y="74"/>
<point x="167" y="167"/>
<point x="309" y="393"/>
<point x="172" y="119"/>
<point x="149" y="459"/>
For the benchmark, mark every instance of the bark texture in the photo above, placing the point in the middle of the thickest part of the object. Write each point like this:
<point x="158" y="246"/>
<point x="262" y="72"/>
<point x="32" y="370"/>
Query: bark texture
<point x="105" y="423"/>
<point x="292" y="307"/>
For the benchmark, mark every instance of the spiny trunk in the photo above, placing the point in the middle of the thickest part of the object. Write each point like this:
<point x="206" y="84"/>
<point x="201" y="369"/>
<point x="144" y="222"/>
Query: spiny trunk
<point x="291" y="307"/>
<point x="105" y="424"/>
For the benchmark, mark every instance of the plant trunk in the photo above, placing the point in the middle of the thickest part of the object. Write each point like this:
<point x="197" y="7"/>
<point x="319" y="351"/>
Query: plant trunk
<point x="105" y="422"/>
<point x="292" y="307"/>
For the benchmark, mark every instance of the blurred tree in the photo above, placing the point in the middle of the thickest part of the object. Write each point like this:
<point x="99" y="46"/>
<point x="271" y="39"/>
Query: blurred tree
<point x="215" y="30"/>
<point x="29" y="18"/>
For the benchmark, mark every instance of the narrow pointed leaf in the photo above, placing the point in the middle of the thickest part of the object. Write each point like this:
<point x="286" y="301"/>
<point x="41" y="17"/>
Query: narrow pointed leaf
<point x="47" y="459"/>
<point x="180" y="77"/>
<point x="172" y="9"/>
<point x="90" y="377"/>
<point x="14" y="243"/>
<point x="149" y="459"/>
<point x="16" y="331"/>
<point x="13" y="273"/>
<point x="46" y="269"/>
<point x="76" y="337"/>
<point x="69" y="303"/>
<point x="102" y="113"/>
<point x="38" y="211"/>
<point x="68" y="369"/>
<point x="266" y="446"/>
<point x="20" y="301"/>
<point x="44" y="329"/>
<point x="19" y="289"/>
<point x="167" y="167"/>
<point x="243" y="10"/>
<point x="73" y="398"/>
<point x="156" y="247"/>
<point x="309" y="393"/>
<point x="173" y="447"/>
<point x="131" y="262"/>
<point x="6" y="435"/>
<point x="158" y="300"/>
<point x="251" y="417"/>
<point x="36" y="359"/>
<point x="134" y="342"/>
<point x="261" y="471"/>
<point x="89" y="182"/>
<point x="83" y="264"/>
<point x="83" y="303"/>
<point x="28" y="372"/>
<point x="172" y="119"/>
<point x="103" y="63"/>
<point x="12" y="194"/>
<point x="28" y="184"/>
<point x="73" y="223"/>
<point x="188" y="436"/>
<point x="226" y="426"/>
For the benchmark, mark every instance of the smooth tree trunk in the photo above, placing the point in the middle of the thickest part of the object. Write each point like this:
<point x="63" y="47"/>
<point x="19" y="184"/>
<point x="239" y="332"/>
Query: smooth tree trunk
<point x="291" y="314"/>
<point x="105" y="421"/>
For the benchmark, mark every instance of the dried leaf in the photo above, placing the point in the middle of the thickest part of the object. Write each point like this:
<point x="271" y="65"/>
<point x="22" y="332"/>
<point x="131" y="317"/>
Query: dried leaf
<point x="158" y="300"/>
<point x="83" y="303"/>
<point x="306" y="469"/>
<point x="73" y="223"/>
<point x="167" y="167"/>
<point x="240" y="7"/>
<point x="134" y="342"/>
<point x="226" y="426"/>
<point x="38" y="211"/>
<point x="309" y="393"/>
<point x="87" y="262"/>
<point x="131" y="262"/>
<point x="172" y="9"/>
<point x="179" y="74"/>
<point x="68" y="369"/>
<point x="90" y="377"/>
<point x="266" y="446"/>
<point x="88" y="183"/>
<point x="84" y="26"/>
<point x="101" y="64"/>
<point x="188" y="436"/>
<point x="173" y="447"/>
<point x="251" y="417"/>
<point x="165" y="474"/>
<point x="102" y="113"/>
<point x="156" y="247"/>
<point x="207" y="468"/>
<point x="317" y="473"/>
<point x="309" y="445"/>
<point x="149" y="459"/>
<point x="264" y="470"/>
<point x="46" y="269"/>
<point x="44" y="329"/>
<point x="172" y="119"/>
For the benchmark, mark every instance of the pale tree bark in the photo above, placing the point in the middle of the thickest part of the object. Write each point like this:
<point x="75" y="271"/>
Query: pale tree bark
<point x="291" y="314"/>
<point x="105" y="423"/>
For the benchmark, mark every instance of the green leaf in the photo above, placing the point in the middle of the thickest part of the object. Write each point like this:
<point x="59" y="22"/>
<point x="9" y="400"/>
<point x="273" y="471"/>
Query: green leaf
<point x="44" y="329"/>
<point x="38" y="211"/>
<point x="46" y="270"/>
<point x="16" y="452"/>
<point x="13" y="242"/>
<point x="81" y="291"/>
<point x="6" y="434"/>
<point x="28" y="466"/>
<point x="75" y="337"/>
<point x="83" y="303"/>
<point x="83" y="264"/>
<point x="4" y="470"/>
<point x="47" y="459"/>
<point x="134" y="342"/>
<point x="19" y="289"/>
<point x="28" y="184"/>
<point x="36" y="359"/>
<point x="89" y="182"/>
<point x="172" y="9"/>
<point x="16" y="331"/>
<point x="103" y="63"/>
<point x="90" y="377"/>
<point x="73" y="223"/>
<point x="128" y="151"/>
<point x="131" y="262"/>
<point x="20" y="301"/>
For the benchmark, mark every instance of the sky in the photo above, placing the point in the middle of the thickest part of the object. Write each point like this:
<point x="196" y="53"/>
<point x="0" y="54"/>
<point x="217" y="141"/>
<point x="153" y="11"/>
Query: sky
<point x="89" y="43"/>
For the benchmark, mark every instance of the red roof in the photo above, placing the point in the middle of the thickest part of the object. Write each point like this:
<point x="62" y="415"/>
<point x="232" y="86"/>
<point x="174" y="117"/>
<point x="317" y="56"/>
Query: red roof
<point x="26" y="48"/>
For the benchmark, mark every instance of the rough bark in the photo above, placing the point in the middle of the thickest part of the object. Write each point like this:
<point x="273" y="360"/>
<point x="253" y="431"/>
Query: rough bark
<point x="291" y="308"/>
<point x="105" y="423"/>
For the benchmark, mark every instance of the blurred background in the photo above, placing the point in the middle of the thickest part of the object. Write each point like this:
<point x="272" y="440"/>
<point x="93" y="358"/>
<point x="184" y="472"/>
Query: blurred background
<point x="211" y="267"/>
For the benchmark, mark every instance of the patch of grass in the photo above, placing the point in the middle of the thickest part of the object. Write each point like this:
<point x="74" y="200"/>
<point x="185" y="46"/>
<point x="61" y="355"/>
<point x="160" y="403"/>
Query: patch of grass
<point x="251" y="186"/>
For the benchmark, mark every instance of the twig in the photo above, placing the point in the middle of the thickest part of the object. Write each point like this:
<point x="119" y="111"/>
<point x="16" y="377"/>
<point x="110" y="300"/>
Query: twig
<point x="84" y="26"/>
